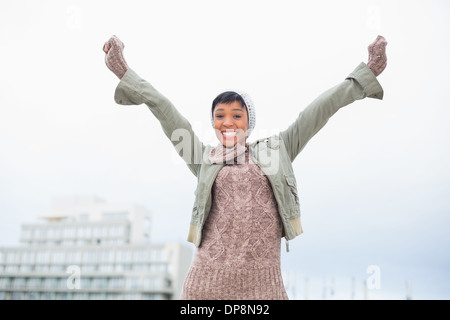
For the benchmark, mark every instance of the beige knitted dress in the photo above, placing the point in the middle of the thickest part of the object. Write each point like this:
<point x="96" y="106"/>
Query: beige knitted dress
<point x="239" y="257"/>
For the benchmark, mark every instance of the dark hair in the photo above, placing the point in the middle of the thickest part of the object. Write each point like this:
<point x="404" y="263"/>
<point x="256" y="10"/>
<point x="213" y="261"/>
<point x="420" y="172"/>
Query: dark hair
<point x="228" y="97"/>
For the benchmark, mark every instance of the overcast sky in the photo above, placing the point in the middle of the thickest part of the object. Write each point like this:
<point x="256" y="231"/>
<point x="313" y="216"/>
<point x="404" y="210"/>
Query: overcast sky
<point x="374" y="182"/>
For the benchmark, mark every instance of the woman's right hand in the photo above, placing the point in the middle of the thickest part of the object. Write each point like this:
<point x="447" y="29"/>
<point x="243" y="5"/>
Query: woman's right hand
<point x="114" y="59"/>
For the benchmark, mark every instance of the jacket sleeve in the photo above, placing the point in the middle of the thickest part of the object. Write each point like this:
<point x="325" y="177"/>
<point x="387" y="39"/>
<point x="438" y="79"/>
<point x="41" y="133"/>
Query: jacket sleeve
<point x="359" y="84"/>
<point x="133" y="90"/>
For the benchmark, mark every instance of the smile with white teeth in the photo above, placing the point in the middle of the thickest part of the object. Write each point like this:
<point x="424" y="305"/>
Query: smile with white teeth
<point x="229" y="134"/>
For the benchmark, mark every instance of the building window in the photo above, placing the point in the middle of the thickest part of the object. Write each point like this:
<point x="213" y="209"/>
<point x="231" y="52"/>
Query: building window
<point x="150" y="296"/>
<point x="11" y="268"/>
<point x="105" y="267"/>
<point x="90" y="256"/>
<point x="97" y="296"/>
<point x="133" y="296"/>
<point x="32" y="296"/>
<point x="48" y="296"/>
<point x="16" y="296"/>
<point x="133" y="283"/>
<point x="58" y="257"/>
<point x="140" y="255"/>
<point x="83" y="232"/>
<point x="18" y="283"/>
<point x="73" y="257"/>
<point x="26" y="268"/>
<point x="116" y="231"/>
<point x="117" y="215"/>
<point x="150" y="283"/>
<point x="123" y="256"/>
<point x="57" y="268"/>
<point x="5" y="282"/>
<point x="89" y="267"/>
<point x="85" y="283"/>
<point x="53" y="233"/>
<point x="61" y="296"/>
<point x="12" y="257"/>
<point x="81" y="296"/>
<point x="157" y="254"/>
<point x="99" y="231"/>
<point x="41" y="267"/>
<point x="26" y="233"/>
<point x="140" y="267"/>
<point x="39" y="233"/>
<point x="43" y="257"/>
<point x="107" y="256"/>
<point x="68" y="232"/>
<point x="115" y="283"/>
<point x="99" y="283"/>
<point x="27" y="257"/>
<point x="83" y="217"/>
<point x="158" y="267"/>
<point x="33" y="283"/>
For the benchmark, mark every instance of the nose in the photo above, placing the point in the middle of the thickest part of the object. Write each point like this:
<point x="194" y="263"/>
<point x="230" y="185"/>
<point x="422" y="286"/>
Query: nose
<point x="228" y="122"/>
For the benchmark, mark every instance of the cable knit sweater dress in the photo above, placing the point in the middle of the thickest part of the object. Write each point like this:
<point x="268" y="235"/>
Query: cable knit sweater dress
<point x="239" y="257"/>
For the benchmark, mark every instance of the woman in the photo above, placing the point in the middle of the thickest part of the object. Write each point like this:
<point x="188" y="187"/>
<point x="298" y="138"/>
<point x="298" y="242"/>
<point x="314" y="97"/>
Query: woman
<point x="246" y="197"/>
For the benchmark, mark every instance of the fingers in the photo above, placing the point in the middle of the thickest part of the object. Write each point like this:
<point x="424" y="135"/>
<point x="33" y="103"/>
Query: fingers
<point x="380" y="38"/>
<point x="377" y="49"/>
<point x="378" y="45"/>
<point x="106" y="47"/>
<point x="114" y="41"/>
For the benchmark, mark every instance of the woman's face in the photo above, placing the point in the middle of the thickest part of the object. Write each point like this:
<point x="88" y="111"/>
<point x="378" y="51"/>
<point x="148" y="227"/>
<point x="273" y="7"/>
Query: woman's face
<point x="230" y="123"/>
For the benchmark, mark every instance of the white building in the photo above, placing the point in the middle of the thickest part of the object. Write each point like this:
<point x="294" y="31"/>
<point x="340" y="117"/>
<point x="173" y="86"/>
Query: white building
<point x="89" y="249"/>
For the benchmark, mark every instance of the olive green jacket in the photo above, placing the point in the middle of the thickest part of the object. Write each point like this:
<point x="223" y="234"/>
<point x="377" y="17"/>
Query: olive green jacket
<point x="274" y="154"/>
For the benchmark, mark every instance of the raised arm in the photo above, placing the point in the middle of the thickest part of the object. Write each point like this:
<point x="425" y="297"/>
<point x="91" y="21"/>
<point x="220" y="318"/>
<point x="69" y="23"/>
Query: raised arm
<point x="361" y="83"/>
<point x="133" y="90"/>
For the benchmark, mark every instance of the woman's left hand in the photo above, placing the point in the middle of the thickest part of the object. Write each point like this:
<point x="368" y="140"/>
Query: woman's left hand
<point x="377" y="55"/>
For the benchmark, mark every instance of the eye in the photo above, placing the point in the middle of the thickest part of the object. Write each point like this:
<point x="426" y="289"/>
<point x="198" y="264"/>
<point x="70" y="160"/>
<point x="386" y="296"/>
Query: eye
<point x="237" y="116"/>
<point x="219" y="116"/>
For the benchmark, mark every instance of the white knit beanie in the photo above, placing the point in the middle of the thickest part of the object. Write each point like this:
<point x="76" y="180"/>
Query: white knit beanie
<point x="250" y="110"/>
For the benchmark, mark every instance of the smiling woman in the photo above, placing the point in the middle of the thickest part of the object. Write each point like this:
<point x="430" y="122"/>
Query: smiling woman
<point x="246" y="197"/>
<point x="233" y="117"/>
<point x="230" y="123"/>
